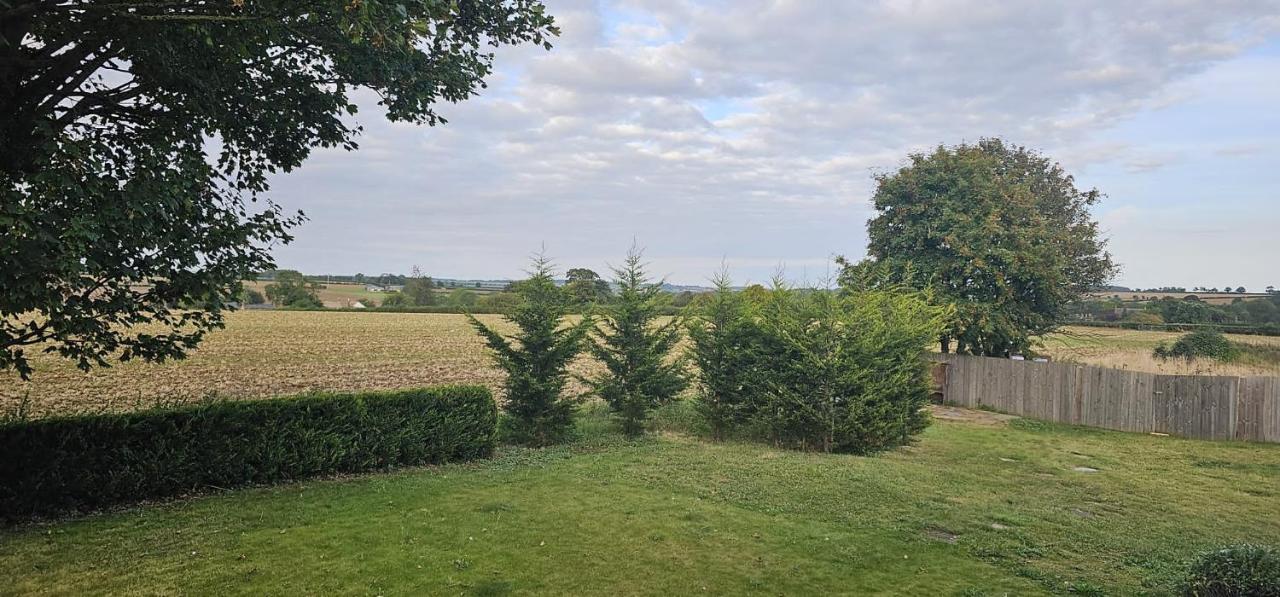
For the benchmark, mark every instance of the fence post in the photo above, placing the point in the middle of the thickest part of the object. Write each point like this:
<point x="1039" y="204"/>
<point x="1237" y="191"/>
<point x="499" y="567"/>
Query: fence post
<point x="939" y="372"/>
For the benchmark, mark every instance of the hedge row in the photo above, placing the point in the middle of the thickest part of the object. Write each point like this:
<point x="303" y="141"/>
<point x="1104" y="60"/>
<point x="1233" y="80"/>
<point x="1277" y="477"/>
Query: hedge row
<point x="665" y="310"/>
<point x="399" y="309"/>
<point x="83" y="462"/>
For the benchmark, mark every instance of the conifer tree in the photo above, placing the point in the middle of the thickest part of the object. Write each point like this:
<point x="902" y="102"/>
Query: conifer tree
<point x="536" y="359"/>
<point x="845" y="372"/>
<point x="726" y="347"/>
<point x="636" y="349"/>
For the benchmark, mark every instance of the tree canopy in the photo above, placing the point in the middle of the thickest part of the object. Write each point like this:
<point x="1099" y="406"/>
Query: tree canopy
<point x="999" y="231"/>
<point x="138" y="138"/>
<point x="585" y="286"/>
<point x="419" y="289"/>
<point x="291" y="289"/>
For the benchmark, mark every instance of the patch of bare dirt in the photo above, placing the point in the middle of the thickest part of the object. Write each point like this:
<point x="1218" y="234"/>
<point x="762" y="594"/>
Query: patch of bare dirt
<point x="964" y="415"/>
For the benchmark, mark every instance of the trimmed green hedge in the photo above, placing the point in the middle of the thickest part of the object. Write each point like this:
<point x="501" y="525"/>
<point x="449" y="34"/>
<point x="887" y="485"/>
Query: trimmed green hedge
<point x="84" y="462"/>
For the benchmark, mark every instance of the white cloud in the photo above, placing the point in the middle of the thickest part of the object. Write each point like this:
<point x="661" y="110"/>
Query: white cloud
<point x="751" y="128"/>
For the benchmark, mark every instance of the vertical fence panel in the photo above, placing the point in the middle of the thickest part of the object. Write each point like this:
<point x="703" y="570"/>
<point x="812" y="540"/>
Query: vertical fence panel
<point x="1207" y="407"/>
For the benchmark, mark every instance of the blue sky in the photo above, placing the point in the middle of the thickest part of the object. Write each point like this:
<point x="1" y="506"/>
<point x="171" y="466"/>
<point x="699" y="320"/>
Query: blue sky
<point x="747" y="133"/>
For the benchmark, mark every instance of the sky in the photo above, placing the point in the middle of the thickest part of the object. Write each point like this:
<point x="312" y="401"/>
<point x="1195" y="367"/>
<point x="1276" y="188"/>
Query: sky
<point x="747" y="133"/>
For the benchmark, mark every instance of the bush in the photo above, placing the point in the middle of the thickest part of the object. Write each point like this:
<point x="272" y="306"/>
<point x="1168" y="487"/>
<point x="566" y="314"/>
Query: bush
<point x="291" y="289"/>
<point x="845" y="373"/>
<point x="1144" y="317"/>
<point x="725" y="346"/>
<point x="395" y="299"/>
<point x="498" y="302"/>
<point x="83" y="462"/>
<point x="250" y="296"/>
<point x="815" y="370"/>
<point x="1236" y="570"/>
<point x="1210" y="344"/>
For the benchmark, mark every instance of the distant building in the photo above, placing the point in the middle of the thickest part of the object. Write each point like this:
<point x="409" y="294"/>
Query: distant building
<point x="374" y="288"/>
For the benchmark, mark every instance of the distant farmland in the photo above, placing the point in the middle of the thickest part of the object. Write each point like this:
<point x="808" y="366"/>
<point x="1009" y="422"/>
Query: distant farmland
<point x="1216" y="298"/>
<point x="338" y="295"/>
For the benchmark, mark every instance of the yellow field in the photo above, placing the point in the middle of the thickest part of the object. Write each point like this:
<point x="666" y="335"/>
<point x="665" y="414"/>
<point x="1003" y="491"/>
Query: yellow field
<point x="267" y="353"/>
<point x="1131" y="349"/>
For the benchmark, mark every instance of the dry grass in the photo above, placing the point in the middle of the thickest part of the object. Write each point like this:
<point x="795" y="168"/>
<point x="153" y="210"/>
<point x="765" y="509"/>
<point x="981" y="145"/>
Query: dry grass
<point x="1131" y="349"/>
<point x="268" y="353"/>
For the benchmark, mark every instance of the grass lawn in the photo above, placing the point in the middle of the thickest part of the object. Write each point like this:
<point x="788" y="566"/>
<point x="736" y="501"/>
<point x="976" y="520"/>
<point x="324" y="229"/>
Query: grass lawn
<point x="971" y="509"/>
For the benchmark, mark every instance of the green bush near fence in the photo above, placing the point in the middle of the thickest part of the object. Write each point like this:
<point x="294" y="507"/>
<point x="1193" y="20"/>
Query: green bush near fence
<point x="83" y="462"/>
<point x="1206" y="344"/>
<point x="815" y="370"/>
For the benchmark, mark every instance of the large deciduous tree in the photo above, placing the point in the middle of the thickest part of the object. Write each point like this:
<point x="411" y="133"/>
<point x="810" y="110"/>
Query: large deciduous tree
<point x="586" y="287"/>
<point x="419" y="289"/>
<point x="999" y="231"/>
<point x="137" y="140"/>
<point x="291" y="289"/>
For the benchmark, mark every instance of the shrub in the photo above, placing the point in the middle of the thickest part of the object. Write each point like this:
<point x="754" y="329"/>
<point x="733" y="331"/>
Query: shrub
<point x="1209" y="344"/>
<point x="83" y="462"/>
<point x="1144" y="317"/>
<point x="462" y="298"/>
<point x="1236" y="570"/>
<point x="250" y="296"/>
<point x="395" y="299"/>
<point x="635" y="350"/>
<point x="846" y="373"/>
<point x="725" y="346"/>
<point x="536" y="363"/>
<point x="291" y="289"/>
<point x="498" y="302"/>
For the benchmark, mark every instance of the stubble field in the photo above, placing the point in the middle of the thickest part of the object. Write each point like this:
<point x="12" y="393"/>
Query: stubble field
<point x="267" y="353"/>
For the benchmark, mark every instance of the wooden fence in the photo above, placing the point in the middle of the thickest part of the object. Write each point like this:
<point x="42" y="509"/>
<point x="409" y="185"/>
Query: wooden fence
<point x="1199" y="406"/>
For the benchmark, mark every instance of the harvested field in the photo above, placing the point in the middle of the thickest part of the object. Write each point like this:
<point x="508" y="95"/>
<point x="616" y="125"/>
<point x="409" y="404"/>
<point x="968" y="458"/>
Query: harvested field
<point x="267" y="353"/>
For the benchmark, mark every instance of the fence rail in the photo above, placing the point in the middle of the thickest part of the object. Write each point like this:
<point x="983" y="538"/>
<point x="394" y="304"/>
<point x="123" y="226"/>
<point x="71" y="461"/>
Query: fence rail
<point x="1198" y="406"/>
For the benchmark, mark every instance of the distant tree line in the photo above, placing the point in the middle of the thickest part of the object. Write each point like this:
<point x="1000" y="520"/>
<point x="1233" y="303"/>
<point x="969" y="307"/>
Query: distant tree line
<point x="1262" y="312"/>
